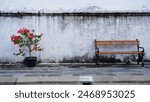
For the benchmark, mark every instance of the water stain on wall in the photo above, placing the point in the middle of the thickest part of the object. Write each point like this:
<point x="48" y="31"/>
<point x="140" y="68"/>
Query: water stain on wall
<point x="70" y="36"/>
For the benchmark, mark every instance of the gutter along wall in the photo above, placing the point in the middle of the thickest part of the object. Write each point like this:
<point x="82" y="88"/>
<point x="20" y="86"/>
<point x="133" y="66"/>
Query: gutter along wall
<point x="70" y="36"/>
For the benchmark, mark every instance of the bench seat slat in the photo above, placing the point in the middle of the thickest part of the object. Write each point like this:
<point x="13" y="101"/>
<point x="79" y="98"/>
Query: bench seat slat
<point x="117" y="40"/>
<point x="128" y="52"/>
<point x="104" y="44"/>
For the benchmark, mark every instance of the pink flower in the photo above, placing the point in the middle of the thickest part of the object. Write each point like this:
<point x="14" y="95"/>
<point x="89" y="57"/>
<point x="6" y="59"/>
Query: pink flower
<point x="35" y="48"/>
<point x="15" y="38"/>
<point x="12" y="38"/>
<point x="26" y="30"/>
<point x="20" y="31"/>
<point x="31" y="35"/>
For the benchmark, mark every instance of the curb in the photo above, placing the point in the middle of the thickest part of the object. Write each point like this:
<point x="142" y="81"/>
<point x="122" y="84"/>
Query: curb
<point x="74" y="80"/>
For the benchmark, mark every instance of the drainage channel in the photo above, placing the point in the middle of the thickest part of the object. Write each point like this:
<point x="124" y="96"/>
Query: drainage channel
<point x="86" y="80"/>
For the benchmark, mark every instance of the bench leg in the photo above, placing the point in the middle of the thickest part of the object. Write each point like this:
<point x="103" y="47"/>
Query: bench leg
<point x="138" y="61"/>
<point x="141" y="59"/>
<point x="96" y="60"/>
<point x="142" y="64"/>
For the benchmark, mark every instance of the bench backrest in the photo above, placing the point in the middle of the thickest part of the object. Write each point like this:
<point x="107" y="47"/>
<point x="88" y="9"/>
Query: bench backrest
<point x="116" y="42"/>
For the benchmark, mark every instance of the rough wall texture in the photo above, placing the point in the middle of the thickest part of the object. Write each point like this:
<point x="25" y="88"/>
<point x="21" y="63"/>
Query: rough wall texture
<point x="72" y="37"/>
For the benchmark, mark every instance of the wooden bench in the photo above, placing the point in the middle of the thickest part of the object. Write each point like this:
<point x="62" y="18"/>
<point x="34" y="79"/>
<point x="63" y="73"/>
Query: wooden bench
<point x="123" y="43"/>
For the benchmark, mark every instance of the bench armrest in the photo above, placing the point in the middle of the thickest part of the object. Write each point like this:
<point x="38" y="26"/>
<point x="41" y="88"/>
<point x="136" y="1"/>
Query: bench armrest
<point x="96" y="49"/>
<point x="142" y="49"/>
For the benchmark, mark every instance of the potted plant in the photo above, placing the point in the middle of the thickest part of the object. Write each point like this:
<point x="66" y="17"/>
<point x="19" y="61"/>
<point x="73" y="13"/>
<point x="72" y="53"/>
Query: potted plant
<point x="27" y="42"/>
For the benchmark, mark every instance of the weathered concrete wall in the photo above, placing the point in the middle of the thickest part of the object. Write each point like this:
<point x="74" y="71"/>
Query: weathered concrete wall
<point x="72" y="36"/>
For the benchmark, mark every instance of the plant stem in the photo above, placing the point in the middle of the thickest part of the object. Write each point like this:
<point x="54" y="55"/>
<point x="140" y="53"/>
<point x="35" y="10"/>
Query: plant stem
<point x="29" y="47"/>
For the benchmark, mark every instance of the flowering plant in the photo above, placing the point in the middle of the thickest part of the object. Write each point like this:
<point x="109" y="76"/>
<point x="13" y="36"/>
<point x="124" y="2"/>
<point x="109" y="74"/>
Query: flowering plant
<point x="26" y="40"/>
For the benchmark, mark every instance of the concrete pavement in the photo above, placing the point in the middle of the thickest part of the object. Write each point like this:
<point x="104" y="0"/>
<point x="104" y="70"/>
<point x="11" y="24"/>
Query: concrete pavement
<point x="74" y="74"/>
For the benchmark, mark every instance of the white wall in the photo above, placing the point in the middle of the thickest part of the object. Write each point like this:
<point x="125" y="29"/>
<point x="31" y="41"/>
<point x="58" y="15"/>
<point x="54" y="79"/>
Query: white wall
<point x="70" y="36"/>
<point x="73" y="5"/>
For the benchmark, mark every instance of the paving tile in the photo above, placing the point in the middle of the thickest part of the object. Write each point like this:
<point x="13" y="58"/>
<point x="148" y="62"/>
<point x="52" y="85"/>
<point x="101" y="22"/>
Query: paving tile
<point x="122" y="78"/>
<point x="68" y="78"/>
<point x="141" y="78"/>
<point x="26" y="80"/>
<point x="7" y="80"/>
<point x="102" y="78"/>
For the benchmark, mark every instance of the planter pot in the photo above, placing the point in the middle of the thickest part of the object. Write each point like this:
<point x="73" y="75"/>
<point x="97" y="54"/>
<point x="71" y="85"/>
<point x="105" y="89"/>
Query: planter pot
<point x="30" y="61"/>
